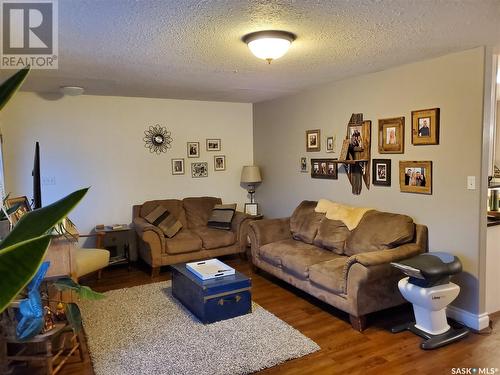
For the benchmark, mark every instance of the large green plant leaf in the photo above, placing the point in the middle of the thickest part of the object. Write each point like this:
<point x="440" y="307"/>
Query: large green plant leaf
<point x="11" y="85"/>
<point x="18" y="264"/>
<point x="82" y="291"/>
<point x="38" y="222"/>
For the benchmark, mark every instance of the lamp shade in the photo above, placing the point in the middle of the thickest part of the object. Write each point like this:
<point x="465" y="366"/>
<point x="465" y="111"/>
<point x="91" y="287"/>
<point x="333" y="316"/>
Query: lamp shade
<point x="250" y="174"/>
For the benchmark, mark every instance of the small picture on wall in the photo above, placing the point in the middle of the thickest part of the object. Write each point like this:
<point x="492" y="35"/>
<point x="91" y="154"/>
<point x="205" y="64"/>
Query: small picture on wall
<point x="313" y="140"/>
<point x="355" y="136"/>
<point x="425" y="127"/>
<point x="381" y="172"/>
<point x="177" y="166"/>
<point x="193" y="149"/>
<point x="415" y="176"/>
<point x="324" y="168"/>
<point x="220" y="163"/>
<point x="330" y="144"/>
<point x="213" y="144"/>
<point x="303" y="164"/>
<point x="199" y="169"/>
<point x="391" y="135"/>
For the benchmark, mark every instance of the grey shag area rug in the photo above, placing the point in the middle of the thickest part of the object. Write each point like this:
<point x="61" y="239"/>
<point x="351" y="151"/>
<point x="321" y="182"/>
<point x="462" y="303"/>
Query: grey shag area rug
<point x="144" y="330"/>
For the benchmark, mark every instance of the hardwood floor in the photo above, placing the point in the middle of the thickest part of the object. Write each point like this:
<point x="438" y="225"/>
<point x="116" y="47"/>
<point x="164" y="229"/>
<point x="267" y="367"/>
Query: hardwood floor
<point x="343" y="350"/>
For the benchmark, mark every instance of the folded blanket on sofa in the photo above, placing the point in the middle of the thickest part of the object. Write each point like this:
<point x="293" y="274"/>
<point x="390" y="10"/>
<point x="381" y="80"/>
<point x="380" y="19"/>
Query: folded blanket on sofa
<point x="349" y="215"/>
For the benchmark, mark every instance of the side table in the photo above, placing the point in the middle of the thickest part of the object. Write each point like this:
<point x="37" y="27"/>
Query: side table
<point x="117" y="241"/>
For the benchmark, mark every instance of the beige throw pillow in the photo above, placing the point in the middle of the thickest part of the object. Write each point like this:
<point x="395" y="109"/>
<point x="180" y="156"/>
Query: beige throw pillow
<point x="164" y="220"/>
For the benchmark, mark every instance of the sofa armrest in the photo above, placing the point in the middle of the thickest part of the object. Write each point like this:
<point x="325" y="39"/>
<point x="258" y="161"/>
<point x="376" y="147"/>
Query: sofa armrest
<point x="150" y="234"/>
<point x="375" y="258"/>
<point x="266" y="231"/>
<point x="239" y="226"/>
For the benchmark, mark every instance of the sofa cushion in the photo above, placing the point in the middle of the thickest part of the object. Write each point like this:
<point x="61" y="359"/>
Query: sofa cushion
<point x="294" y="256"/>
<point x="185" y="241"/>
<point x="329" y="275"/>
<point x="173" y="206"/>
<point x="164" y="220"/>
<point x="198" y="210"/>
<point x="379" y="231"/>
<point x="304" y="222"/>
<point x="215" y="238"/>
<point x="332" y="235"/>
<point x="222" y="216"/>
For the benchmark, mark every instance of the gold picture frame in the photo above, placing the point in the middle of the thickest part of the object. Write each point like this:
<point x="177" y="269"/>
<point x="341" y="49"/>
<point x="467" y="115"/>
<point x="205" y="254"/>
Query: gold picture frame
<point x="313" y="140"/>
<point x="391" y="135"/>
<point x="425" y="127"/>
<point x="415" y="177"/>
<point x="24" y="207"/>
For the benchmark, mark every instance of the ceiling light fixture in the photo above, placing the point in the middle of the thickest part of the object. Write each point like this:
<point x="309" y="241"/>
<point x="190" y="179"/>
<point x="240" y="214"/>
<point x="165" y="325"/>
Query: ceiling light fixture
<point x="72" y="90"/>
<point x="269" y="45"/>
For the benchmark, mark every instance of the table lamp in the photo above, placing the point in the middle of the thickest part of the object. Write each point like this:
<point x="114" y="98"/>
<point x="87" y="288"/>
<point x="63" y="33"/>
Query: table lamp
<point x="250" y="176"/>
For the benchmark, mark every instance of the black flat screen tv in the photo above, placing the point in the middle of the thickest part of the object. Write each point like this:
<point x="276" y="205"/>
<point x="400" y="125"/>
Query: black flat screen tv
<point x="37" y="188"/>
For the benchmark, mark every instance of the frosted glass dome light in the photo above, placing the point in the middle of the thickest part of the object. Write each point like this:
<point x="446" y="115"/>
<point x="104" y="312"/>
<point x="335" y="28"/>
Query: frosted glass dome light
<point x="269" y="45"/>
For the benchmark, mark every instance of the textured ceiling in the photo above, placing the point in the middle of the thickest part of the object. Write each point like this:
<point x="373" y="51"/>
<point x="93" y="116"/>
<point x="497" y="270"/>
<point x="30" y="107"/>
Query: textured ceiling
<point x="193" y="49"/>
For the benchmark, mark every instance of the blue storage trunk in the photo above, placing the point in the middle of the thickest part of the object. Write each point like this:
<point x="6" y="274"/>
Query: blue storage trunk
<point x="215" y="299"/>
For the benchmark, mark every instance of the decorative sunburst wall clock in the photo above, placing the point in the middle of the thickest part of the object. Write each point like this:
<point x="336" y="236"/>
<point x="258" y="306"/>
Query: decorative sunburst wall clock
<point x="158" y="139"/>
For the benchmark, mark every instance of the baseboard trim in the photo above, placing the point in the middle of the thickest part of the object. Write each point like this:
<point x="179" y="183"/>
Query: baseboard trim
<point x="474" y="321"/>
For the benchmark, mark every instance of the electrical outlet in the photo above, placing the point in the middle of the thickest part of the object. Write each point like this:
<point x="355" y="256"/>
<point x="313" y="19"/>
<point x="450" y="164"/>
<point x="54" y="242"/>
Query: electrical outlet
<point x="48" y="180"/>
<point x="471" y="182"/>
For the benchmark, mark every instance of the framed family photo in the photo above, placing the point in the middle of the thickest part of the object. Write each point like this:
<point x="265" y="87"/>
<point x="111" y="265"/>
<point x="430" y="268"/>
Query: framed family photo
<point x="330" y="144"/>
<point x="193" y="149"/>
<point x="303" y="164"/>
<point x="324" y="168"/>
<point x="23" y="207"/>
<point x="355" y="135"/>
<point x="381" y="173"/>
<point x="213" y="144"/>
<point x="425" y="127"/>
<point x="220" y="163"/>
<point x="199" y="169"/>
<point x="177" y="166"/>
<point x="415" y="177"/>
<point x="313" y="140"/>
<point x="391" y="135"/>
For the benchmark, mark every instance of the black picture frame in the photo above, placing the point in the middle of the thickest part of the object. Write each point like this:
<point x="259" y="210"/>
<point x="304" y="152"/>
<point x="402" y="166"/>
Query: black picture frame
<point x="378" y="167"/>
<point x="324" y="168"/>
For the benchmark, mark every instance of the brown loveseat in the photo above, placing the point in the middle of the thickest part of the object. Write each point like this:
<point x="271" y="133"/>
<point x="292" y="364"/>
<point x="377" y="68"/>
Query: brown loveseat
<point x="195" y="240"/>
<point x="348" y="269"/>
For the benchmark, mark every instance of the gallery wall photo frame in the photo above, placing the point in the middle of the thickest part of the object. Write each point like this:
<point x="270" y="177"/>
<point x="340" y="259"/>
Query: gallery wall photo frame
<point x="303" y="164"/>
<point x="220" y="163"/>
<point x="178" y="166"/>
<point x="313" y="140"/>
<point x="391" y="135"/>
<point x="425" y="127"/>
<point x="193" y="149"/>
<point x="214" y="144"/>
<point x="330" y="144"/>
<point x="381" y="172"/>
<point x="324" y="168"/>
<point x="415" y="177"/>
<point x="199" y="169"/>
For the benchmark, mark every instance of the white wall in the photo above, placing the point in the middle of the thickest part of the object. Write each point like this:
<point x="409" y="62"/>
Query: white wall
<point x="454" y="83"/>
<point x="97" y="141"/>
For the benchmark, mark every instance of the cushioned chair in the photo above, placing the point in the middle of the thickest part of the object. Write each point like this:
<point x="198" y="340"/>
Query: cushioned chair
<point x="90" y="260"/>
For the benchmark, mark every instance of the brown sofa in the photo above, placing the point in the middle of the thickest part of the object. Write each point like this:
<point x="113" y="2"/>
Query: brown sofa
<point x="348" y="269"/>
<point x="195" y="240"/>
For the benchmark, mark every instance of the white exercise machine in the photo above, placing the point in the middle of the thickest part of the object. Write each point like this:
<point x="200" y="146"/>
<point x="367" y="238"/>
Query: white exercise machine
<point x="429" y="289"/>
